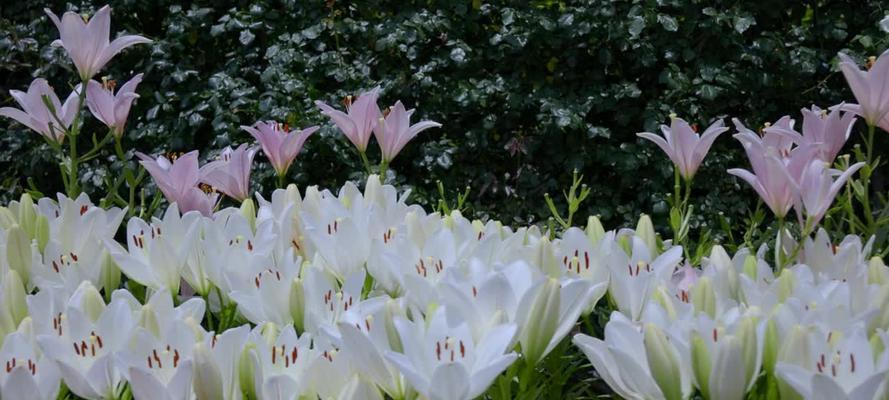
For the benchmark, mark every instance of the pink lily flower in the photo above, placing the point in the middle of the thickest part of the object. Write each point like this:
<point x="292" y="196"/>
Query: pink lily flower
<point x="230" y="174"/>
<point x="827" y="132"/>
<point x="178" y="181"/>
<point x="278" y="143"/>
<point x="683" y="145"/>
<point x="360" y="118"/>
<point x="87" y="42"/>
<point x="35" y="115"/>
<point x="110" y="108"/>
<point x="818" y="188"/>
<point x="871" y="89"/>
<point x="396" y="130"/>
<point x="776" y="170"/>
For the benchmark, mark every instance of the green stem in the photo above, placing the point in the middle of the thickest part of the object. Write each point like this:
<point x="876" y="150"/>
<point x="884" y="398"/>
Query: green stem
<point x="384" y="165"/>
<point x="365" y="161"/>
<point x="280" y="180"/>
<point x="779" y="250"/>
<point x="870" y="143"/>
<point x="73" y="173"/>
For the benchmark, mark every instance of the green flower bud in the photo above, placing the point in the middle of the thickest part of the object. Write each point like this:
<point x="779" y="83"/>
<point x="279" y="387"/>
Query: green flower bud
<point x="594" y="229"/>
<point x="663" y="362"/>
<point x="770" y="347"/>
<point x="703" y="297"/>
<point x="148" y="320"/>
<point x="750" y="266"/>
<point x="700" y="363"/>
<point x="246" y="370"/>
<point x="544" y="315"/>
<point x="645" y="231"/>
<point x="12" y="297"/>
<point x="18" y="252"/>
<point x="207" y="376"/>
<point x="298" y="304"/>
<point x="27" y="215"/>
<point x="392" y="309"/>
<point x="746" y="334"/>
<point x="248" y="210"/>
<point x="7" y="218"/>
<point x="877" y="271"/>
<point x="42" y="232"/>
<point x="663" y="298"/>
<point x="786" y="282"/>
<point x="109" y="275"/>
<point x="92" y="302"/>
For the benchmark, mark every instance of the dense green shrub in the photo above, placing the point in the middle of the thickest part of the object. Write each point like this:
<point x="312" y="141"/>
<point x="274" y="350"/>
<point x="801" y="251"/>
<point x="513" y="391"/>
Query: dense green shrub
<point x="526" y="92"/>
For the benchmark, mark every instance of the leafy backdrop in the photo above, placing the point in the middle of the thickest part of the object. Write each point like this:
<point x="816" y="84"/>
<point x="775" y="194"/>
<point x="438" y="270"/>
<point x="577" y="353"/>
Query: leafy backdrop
<point x="526" y="93"/>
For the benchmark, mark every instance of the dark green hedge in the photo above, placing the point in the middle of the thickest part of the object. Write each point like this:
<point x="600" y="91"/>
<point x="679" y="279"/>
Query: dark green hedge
<point x="526" y="91"/>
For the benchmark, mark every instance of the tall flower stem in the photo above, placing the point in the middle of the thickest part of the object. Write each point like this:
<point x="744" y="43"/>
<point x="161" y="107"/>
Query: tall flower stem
<point x="384" y="166"/>
<point x="73" y="172"/>
<point x="779" y="251"/>
<point x="280" y="180"/>
<point x="365" y="161"/>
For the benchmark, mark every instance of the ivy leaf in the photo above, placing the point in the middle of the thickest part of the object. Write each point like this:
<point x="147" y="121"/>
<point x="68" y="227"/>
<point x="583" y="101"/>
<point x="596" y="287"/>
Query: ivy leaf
<point x="669" y="23"/>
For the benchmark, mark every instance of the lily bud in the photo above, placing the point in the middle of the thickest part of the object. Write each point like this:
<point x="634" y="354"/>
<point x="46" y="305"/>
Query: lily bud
<point x="12" y="298"/>
<point x="373" y="187"/>
<point x="750" y="266"/>
<point x="27" y="215"/>
<point x="91" y="301"/>
<point x="392" y="310"/>
<point x="626" y="244"/>
<point x="109" y="275"/>
<point x="298" y="304"/>
<point x="881" y="319"/>
<point x="42" y="232"/>
<point x="7" y="218"/>
<point x="544" y="316"/>
<point x="786" y="282"/>
<point x="877" y="271"/>
<point x="795" y="350"/>
<point x="663" y="362"/>
<point x="148" y="320"/>
<point x="207" y="376"/>
<point x="700" y="363"/>
<point x="665" y="301"/>
<point x="770" y="347"/>
<point x="246" y="370"/>
<point x="727" y="380"/>
<point x="269" y="332"/>
<point x="18" y="252"/>
<point x="746" y="334"/>
<point x="645" y="231"/>
<point x="703" y="297"/>
<point x="248" y="210"/>
<point x="594" y="229"/>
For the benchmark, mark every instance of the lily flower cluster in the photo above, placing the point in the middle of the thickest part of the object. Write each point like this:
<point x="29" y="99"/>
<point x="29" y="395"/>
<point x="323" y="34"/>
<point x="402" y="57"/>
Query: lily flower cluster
<point x="732" y="328"/>
<point x="420" y="304"/>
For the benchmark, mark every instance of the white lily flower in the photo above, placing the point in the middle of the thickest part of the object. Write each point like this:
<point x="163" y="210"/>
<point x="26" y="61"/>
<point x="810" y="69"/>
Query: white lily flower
<point x="634" y="277"/>
<point x="281" y="363"/>
<point x="26" y="375"/>
<point x="161" y="366"/>
<point x="549" y="310"/>
<point x="86" y="351"/>
<point x="845" y="367"/>
<point x="444" y="362"/>
<point x="157" y="252"/>
<point x="216" y="365"/>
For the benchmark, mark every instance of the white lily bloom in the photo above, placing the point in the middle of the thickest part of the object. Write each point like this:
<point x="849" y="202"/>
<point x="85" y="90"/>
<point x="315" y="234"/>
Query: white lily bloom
<point x="161" y="366"/>
<point x="27" y="375"/>
<point x="442" y="361"/>
<point x="157" y="252"/>
<point x="217" y="365"/>
<point x="86" y="351"/>
<point x="281" y="362"/>
<point x="843" y="367"/>
<point x="74" y="252"/>
<point x="635" y="276"/>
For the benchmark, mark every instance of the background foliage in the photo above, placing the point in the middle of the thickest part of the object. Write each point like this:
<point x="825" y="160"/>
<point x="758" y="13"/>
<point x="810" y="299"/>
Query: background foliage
<point x="526" y="92"/>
